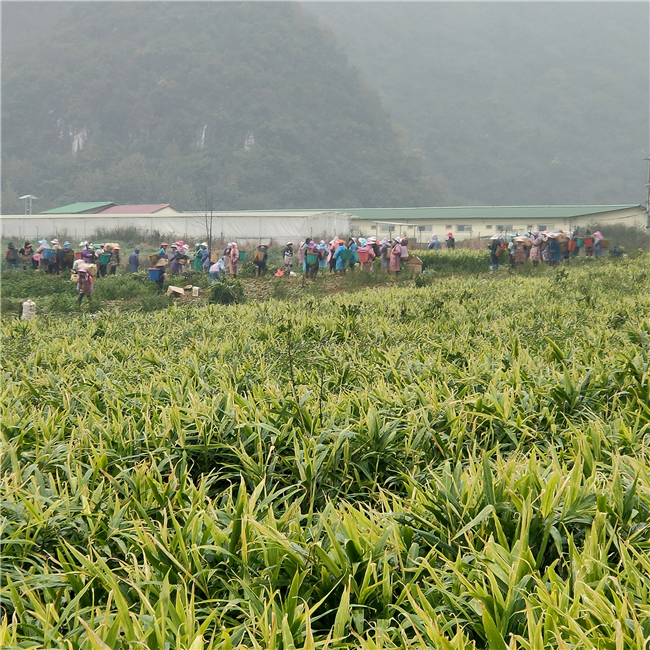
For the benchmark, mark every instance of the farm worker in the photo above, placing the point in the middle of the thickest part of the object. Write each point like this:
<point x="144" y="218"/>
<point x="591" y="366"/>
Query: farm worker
<point x="520" y="253"/>
<point x="85" y="285"/>
<point x="162" y="253"/>
<point x="66" y="256"/>
<point x="341" y="262"/>
<point x="366" y="251"/>
<point x="450" y="241"/>
<point x="11" y="256"/>
<point x="86" y="253"/>
<point x="323" y="255"/>
<point x="589" y="244"/>
<point x="42" y="262"/>
<point x="396" y="257"/>
<point x="134" y="261"/>
<point x="311" y="268"/>
<point x="234" y="259"/>
<point x="493" y="247"/>
<point x="566" y="251"/>
<point x="535" y="250"/>
<point x="259" y="259"/>
<point x="598" y="251"/>
<point x="53" y="265"/>
<point x="114" y="260"/>
<point x="287" y="257"/>
<point x="434" y="243"/>
<point x="96" y="250"/>
<point x="554" y="249"/>
<point x="304" y="247"/>
<point x="511" y="252"/>
<point x="354" y="258"/>
<point x="27" y="252"/>
<point x="100" y="255"/>
<point x="404" y="252"/>
<point x="372" y="242"/>
<point x="197" y="264"/>
<point x="384" y="250"/>
<point x="174" y="266"/>
<point x="59" y="259"/>
<point x="217" y="270"/>
<point x="331" y="247"/>
<point x="301" y="253"/>
<point x="205" y="256"/>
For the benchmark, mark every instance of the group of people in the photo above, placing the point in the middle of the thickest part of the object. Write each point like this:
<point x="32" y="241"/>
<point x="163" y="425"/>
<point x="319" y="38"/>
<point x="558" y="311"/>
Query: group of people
<point x="435" y="244"/>
<point x="548" y="247"/>
<point x="339" y="255"/>
<point x="51" y="257"/>
<point x="177" y="257"/>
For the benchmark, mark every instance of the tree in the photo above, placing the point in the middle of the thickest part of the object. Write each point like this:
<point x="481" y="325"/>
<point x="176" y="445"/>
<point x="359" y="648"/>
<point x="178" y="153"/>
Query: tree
<point x="208" y="207"/>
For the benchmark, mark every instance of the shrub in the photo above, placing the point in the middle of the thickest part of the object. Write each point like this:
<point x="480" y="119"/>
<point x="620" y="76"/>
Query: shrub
<point x="227" y="292"/>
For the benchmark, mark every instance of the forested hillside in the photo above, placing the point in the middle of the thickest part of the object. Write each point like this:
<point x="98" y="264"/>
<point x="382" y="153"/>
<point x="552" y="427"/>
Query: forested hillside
<point x="511" y="102"/>
<point x="160" y="102"/>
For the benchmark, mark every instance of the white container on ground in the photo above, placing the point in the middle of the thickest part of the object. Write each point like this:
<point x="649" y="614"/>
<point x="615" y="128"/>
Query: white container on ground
<point x="29" y="310"/>
<point x="195" y="292"/>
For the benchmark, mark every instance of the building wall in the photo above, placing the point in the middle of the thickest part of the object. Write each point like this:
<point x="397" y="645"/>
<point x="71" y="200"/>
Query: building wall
<point x="245" y="228"/>
<point x="251" y="227"/>
<point x="468" y="228"/>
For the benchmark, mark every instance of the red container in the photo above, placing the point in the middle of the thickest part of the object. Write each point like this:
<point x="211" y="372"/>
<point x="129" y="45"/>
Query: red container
<point x="78" y="255"/>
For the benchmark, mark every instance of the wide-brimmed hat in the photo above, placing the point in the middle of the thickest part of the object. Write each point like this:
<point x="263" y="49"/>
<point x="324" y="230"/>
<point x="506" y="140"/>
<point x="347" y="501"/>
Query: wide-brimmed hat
<point x="164" y="244"/>
<point x="204" y="243"/>
<point x="449" y="234"/>
<point x="116" y="247"/>
<point x="55" y="241"/>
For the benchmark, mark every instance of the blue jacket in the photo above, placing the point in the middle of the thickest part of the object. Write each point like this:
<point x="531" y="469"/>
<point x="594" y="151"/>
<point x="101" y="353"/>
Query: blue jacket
<point x="205" y="258"/>
<point x="340" y="262"/>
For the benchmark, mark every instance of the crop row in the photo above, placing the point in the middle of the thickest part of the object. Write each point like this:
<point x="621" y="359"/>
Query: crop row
<point x="456" y="466"/>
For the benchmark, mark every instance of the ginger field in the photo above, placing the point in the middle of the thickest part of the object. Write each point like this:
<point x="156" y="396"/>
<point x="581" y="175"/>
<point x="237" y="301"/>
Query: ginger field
<point x="460" y="465"/>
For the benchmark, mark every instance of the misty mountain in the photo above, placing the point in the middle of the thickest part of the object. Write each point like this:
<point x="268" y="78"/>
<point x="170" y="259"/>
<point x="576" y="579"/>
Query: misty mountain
<point x="511" y="102"/>
<point x="157" y="102"/>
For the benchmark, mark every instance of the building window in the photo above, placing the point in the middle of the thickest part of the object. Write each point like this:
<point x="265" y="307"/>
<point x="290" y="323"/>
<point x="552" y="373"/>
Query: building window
<point x="387" y="228"/>
<point x="504" y="227"/>
<point x="542" y="227"/>
<point x="530" y="227"/>
<point x="424" y="228"/>
<point x="448" y="227"/>
<point x="463" y="228"/>
<point x="488" y="227"/>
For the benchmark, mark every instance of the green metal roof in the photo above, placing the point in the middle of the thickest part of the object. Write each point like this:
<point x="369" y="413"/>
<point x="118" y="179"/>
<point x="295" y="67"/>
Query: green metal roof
<point x="76" y="208"/>
<point x="506" y="212"/>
